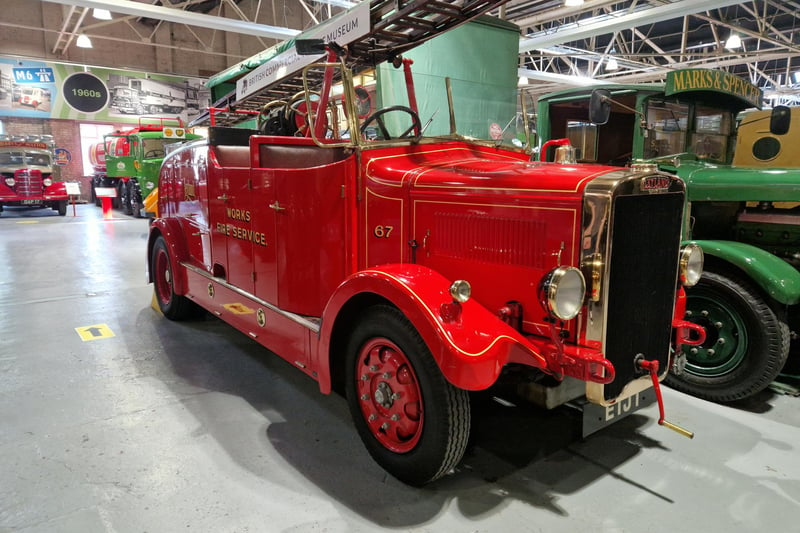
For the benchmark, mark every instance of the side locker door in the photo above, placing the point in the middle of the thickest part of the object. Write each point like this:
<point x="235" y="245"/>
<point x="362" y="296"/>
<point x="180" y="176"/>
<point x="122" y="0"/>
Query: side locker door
<point x="265" y="246"/>
<point x="238" y="217"/>
<point x="310" y="220"/>
<point x="218" y="194"/>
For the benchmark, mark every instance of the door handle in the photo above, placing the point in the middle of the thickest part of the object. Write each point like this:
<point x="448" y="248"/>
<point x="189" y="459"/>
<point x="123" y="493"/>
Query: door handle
<point x="276" y="206"/>
<point x="224" y="198"/>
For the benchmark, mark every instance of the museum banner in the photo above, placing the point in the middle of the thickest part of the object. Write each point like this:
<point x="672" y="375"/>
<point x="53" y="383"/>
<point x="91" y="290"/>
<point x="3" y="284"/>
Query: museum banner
<point x="40" y="89"/>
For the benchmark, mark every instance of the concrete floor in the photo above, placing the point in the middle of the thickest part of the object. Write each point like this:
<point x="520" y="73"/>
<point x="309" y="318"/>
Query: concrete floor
<point x="167" y="427"/>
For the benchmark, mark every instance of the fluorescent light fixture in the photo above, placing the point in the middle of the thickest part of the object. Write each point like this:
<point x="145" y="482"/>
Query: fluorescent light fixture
<point x="83" y="41"/>
<point x="101" y="14"/>
<point x="796" y="77"/>
<point x="733" y="42"/>
<point x="611" y="63"/>
<point x="573" y="3"/>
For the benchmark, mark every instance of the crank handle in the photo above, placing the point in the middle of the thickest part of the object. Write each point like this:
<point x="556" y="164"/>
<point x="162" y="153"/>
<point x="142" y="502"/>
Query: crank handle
<point x="652" y="368"/>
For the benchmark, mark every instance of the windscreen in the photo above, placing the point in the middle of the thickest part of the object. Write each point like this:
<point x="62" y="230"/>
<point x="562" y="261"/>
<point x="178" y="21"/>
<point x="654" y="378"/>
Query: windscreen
<point x="479" y="111"/>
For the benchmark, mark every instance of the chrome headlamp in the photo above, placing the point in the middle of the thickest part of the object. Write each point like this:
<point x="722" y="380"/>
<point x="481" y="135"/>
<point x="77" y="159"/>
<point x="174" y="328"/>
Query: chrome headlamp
<point x="10" y="182"/>
<point x="691" y="264"/>
<point x="562" y="292"/>
<point x="460" y="291"/>
<point x="47" y="182"/>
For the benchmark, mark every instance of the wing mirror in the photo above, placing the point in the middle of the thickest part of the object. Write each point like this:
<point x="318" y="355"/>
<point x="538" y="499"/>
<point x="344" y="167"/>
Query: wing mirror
<point x="779" y="120"/>
<point x="600" y="106"/>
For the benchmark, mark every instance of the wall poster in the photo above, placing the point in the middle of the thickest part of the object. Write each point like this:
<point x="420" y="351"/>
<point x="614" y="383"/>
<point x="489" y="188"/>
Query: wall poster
<point x="38" y="89"/>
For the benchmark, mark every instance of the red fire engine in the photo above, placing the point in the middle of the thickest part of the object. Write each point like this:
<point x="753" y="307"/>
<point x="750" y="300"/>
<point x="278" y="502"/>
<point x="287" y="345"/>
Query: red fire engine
<point x="26" y="164"/>
<point x="405" y="269"/>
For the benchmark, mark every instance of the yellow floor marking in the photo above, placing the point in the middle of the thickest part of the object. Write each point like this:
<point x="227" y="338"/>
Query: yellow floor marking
<point x="95" y="332"/>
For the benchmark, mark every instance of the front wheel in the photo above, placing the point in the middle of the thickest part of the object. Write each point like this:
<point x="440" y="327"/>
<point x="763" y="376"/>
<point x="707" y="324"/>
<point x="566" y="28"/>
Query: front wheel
<point x="61" y="207"/>
<point x="747" y="340"/>
<point x="174" y="306"/>
<point x="412" y="421"/>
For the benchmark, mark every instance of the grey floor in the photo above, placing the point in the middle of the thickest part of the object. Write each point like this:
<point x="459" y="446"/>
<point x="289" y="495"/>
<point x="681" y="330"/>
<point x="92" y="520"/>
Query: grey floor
<point x="167" y="427"/>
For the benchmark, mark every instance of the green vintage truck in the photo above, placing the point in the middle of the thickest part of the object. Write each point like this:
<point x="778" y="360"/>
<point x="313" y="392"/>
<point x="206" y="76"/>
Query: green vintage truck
<point x="742" y="169"/>
<point x="133" y="160"/>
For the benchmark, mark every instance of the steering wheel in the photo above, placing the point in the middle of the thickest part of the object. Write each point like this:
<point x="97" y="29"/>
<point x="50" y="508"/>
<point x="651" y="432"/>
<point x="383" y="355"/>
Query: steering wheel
<point x="151" y="154"/>
<point x="377" y="116"/>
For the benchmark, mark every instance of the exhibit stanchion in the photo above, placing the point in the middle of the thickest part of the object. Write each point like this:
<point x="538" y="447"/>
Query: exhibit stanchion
<point x="106" y="194"/>
<point x="73" y="190"/>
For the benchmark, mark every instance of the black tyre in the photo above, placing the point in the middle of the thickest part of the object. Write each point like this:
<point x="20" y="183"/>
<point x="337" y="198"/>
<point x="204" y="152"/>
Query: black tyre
<point x="747" y="340"/>
<point x="137" y="204"/>
<point x="412" y="421"/>
<point x="174" y="306"/>
<point x="61" y="207"/>
<point x="119" y="201"/>
<point x="126" y="203"/>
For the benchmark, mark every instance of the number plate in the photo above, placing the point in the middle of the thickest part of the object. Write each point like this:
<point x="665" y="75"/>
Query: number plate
<point x="30" y="202"/>
<point x="596" y="417"/>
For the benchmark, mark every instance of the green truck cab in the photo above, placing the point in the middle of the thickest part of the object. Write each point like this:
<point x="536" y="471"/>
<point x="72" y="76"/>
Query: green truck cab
<point x="133" y="159"/>
<point x="743" y="184"/>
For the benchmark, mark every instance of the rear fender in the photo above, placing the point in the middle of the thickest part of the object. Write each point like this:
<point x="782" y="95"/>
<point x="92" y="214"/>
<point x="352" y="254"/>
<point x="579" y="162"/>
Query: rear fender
<point x="170" y="230"/>
<point x="469" y="343"/>
<point x="776" y="277"/>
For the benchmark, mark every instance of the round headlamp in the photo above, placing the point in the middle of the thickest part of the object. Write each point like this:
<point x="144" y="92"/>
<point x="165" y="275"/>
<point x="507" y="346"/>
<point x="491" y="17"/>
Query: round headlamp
<point x="562" y="292"/>
<point x="691" y="264"/>
<point x="47" y="182"/>
<point x="10" y="182"/>
<point x="460" y="290"/>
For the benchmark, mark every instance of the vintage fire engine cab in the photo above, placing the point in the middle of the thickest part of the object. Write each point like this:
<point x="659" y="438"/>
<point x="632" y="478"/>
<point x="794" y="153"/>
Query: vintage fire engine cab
<point x="26" y="165"/>
<point x="405" y="267"/>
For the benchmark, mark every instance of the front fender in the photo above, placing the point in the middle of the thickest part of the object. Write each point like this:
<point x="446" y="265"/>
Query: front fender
<point x="169" y="228"/>
<point x="469" y="343"/>
<point x="775" y="276"/>
<point x="56" y="191"/>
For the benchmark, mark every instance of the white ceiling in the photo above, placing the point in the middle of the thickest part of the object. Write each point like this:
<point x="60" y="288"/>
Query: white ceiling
<point x="558" y="46"/>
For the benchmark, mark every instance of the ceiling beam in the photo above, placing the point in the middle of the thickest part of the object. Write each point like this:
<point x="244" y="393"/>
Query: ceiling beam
<point x="128" y="7"/>
<point x="612" y="23"/>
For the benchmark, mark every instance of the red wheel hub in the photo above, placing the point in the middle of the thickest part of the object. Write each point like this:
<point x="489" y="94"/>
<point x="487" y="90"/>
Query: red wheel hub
<point x="389" y="395"/>
<point x="162" y="274"/>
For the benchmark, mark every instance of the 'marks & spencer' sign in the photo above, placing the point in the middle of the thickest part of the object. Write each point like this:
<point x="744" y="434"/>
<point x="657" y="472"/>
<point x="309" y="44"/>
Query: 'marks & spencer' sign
<point x="680" y="81"/>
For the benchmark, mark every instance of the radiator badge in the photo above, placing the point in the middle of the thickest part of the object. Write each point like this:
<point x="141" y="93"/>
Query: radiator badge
<point x="656" y="184"/>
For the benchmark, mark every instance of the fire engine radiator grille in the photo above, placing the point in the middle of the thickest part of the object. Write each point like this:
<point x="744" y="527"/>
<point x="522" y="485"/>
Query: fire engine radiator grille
<point x="28" y="185"/>
<point x="643" y="273"/>
<point x="502" y="241"/>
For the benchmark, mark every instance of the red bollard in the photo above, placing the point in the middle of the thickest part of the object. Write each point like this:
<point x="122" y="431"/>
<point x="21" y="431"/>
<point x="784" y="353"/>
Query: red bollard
<point x="106" y="207"/>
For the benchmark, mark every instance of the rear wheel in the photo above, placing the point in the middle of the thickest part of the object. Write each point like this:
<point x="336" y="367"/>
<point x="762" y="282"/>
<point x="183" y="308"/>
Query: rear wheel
<point x="174" y="306"/>
<point x="135" y="195"/>
<point x="747" y="340"/>
<point x="412" y="421"/>
<point x="125" y="200"/>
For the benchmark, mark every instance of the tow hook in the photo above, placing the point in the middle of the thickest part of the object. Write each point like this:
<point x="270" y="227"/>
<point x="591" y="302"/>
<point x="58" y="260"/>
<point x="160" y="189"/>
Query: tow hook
<point x="652" y="368"/>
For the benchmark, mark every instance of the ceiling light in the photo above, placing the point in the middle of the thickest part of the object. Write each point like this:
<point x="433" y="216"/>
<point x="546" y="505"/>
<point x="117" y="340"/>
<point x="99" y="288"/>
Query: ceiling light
<point x="522" y="82"/>
<point x="83" y="41"/>
<point x="611" y="63"/>
<point x="573" y="3"/>
<point x="733" y="42"/>
<point x="101" y="14"/>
